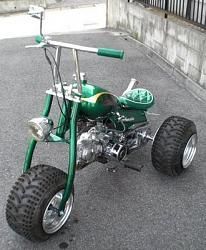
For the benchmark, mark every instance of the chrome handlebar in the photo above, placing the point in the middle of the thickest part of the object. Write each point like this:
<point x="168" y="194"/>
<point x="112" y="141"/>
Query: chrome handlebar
<point x="44" y="42"/>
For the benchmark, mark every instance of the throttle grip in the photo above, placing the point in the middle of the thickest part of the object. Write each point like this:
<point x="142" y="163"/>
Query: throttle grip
<point x="111" y="53"/>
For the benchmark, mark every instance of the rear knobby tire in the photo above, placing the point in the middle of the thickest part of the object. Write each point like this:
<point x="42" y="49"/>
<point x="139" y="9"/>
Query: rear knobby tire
<point x="170" y="142"/>
<point x="29" y="199"/>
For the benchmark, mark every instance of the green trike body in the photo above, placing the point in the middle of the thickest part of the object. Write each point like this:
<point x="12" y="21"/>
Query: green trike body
<point x="96" y="103"/>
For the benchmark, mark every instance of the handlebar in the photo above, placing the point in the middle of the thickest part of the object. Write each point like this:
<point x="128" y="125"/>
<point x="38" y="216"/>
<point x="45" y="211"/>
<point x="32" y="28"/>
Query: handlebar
<point x="99" y="51"/>
<point x="110" y="53"/>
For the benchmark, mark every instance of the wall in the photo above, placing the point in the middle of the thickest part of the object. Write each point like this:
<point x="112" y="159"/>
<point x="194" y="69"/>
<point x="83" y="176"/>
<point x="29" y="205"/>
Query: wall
<point x="182" y="44"/>
<point x="10" y="6"/>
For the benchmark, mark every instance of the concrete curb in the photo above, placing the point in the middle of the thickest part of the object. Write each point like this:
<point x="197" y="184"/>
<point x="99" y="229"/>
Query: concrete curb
<point x="180" y="43"/>
<point x="181" y="79"/>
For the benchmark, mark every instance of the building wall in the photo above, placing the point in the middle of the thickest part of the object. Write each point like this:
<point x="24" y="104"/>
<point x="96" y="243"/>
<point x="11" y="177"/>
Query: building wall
<point x="180" y="43"/>
<point x="9" y="6"/>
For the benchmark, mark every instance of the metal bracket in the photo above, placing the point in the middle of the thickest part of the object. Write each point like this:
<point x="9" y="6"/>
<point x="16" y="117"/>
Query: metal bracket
<point x="73" y="96"/>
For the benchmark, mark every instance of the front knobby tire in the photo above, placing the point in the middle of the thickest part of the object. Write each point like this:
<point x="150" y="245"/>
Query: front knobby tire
<point x="32" y="206"/>
<point x="174" y="145"/>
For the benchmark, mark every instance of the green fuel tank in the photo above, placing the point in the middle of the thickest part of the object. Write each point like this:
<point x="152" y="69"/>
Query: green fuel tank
<point x="96" y="101"/>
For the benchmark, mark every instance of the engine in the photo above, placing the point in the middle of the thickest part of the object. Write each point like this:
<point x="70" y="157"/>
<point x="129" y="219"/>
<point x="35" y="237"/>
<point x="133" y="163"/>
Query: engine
<point x="103" y="145"/>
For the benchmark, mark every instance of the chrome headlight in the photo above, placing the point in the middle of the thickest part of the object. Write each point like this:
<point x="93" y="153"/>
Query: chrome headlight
<point x="40" y="128"/>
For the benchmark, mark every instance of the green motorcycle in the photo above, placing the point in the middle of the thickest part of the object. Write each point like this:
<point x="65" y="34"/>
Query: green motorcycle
<point x="97" y="126"/>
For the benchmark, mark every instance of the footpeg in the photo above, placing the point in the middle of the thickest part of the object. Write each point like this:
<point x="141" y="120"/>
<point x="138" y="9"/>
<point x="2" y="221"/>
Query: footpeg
<point x="138" y="169"/>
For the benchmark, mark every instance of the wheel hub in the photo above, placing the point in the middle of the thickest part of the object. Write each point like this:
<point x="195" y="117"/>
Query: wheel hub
<point x="52" y="220"/>
<point x="189" y="151"/>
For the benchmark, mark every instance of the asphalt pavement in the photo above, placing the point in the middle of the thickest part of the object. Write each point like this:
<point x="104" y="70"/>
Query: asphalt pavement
<point x="122" y="210"/>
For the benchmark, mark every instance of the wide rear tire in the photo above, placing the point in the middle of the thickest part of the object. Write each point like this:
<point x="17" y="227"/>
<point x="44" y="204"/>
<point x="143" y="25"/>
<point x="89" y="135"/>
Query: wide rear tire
<point x="32" y="206"/>
<point x="174" y="146"/>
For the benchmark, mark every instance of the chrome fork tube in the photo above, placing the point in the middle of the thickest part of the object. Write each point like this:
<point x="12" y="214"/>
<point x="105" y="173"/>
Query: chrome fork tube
<point x="57" y="65"/>
<point x="77" y="70"/>
<point x="41" y="20"/>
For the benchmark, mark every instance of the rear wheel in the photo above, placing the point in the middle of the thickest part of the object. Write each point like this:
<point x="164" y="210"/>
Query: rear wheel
<point x="32" y="206"/>
<point x="174" y="146"/>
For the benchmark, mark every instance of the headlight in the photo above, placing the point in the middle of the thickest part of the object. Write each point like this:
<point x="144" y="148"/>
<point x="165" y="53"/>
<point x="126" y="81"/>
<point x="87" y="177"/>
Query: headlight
<point x="40" y="128"/>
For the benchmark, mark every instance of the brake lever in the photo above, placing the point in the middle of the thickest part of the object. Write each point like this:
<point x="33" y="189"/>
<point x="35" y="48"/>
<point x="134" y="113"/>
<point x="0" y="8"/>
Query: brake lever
<point x="40" y="45"/>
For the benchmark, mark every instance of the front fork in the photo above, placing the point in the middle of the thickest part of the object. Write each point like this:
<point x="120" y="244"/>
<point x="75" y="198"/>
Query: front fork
<point x="32" y="142"/>
<point x="72" y="156"/>
<point x="72" y="148"/>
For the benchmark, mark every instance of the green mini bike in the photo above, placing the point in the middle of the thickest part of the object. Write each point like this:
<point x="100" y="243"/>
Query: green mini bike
<point x="97" y="126"/>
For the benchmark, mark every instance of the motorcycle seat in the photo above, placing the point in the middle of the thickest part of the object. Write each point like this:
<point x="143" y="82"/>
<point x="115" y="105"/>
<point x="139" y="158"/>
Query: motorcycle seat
<point x="138" y="98"/>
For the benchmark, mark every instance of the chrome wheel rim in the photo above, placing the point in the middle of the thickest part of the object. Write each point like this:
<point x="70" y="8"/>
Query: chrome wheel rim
<point x="52" y="221"/>
<point x="189" y="151"/>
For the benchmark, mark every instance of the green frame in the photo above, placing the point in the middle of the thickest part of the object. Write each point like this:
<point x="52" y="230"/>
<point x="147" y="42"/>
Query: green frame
<point x="64" y="124"/>
<point x="91" y="106"/>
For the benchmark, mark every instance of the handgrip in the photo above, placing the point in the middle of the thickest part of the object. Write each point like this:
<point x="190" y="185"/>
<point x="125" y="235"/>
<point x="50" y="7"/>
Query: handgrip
<point x="110" y="53"/>
<point x="38" y="39"/>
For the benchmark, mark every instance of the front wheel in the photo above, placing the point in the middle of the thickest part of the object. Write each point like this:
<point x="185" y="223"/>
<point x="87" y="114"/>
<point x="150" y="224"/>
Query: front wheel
<point x="32" y="206"/>
<point x="174" y="145"/>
